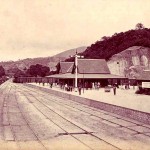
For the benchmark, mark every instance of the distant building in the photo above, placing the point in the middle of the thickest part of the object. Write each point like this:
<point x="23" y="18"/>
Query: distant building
<point x="143" y="82"/>
<point x="144" y="76"/>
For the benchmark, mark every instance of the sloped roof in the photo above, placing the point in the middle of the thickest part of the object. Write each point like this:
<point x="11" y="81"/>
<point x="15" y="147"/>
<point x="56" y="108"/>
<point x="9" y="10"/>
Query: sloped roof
<point x="95" y="66"/>
<point x="66" y="67"/>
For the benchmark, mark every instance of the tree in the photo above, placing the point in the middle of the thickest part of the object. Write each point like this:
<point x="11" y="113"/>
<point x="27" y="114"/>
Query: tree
<point x="104" y="49"/>
<point x="44" y="71"/>
<point x="58" y="67"/>
<point x="105" y="38"/>
<point x="2" y="71"/>
<point x="38" y="70"/>
<point x="139" y="26"/>
<point x="19" y="73"/>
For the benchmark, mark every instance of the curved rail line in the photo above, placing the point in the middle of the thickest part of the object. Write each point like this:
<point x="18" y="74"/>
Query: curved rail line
<point x="59" y="102"/>
<point x="54" y="100"/>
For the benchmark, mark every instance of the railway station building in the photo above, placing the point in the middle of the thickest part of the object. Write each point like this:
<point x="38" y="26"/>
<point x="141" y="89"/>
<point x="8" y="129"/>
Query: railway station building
<point x="88" y="71"/>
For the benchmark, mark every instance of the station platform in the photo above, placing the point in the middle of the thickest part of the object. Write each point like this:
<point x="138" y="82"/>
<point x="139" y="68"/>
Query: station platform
<point x="125" y="102"/>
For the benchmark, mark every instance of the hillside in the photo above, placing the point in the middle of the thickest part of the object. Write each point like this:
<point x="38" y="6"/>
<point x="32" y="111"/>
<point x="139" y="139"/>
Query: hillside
<point x="109" y="46"/>
<point x="47" y="61"/>
<point x="70" y="52"/>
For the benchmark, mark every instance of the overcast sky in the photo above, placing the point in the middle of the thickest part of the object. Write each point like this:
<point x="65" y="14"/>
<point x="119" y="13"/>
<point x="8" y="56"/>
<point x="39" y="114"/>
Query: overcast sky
<point x="35" y="28"/>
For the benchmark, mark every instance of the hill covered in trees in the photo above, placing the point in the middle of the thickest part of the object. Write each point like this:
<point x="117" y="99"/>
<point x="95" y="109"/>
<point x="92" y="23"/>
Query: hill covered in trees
<point x="108" y="46"/>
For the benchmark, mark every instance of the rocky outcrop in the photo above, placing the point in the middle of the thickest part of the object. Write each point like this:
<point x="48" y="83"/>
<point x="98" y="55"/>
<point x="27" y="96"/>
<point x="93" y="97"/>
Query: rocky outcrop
<point x="130" y="62"/>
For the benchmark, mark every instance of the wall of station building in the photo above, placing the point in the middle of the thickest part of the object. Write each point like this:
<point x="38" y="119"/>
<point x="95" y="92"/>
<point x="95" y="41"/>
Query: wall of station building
<point x="71" y="82"/>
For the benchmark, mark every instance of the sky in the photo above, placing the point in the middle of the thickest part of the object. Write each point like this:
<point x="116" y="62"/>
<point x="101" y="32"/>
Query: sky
<point x="41" y="28"/>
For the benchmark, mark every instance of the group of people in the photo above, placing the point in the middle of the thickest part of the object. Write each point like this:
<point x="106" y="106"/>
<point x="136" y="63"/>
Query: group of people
<point x="125" y="86"/>
<point x="87" y="85"/>
<point x="92" y="85"/>
<point x="65" y="86"/>
<point x="43" y="83"/>
<point x="68" y="88"/>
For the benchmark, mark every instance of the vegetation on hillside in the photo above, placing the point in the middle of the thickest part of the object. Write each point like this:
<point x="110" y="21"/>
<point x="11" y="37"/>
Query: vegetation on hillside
<point x="2" y="71"/>
<point x="108" y="46"/>
<point x="38" y="70"/>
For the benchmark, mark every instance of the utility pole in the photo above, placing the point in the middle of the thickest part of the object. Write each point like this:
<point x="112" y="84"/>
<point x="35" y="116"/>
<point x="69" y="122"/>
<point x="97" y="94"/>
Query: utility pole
<point x="83" y="80"/>
<point x="76" y="70"/>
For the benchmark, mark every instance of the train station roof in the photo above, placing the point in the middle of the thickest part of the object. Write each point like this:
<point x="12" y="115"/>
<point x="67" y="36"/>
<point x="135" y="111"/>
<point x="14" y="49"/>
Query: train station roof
<point x="66" y="67"/>
<point x="91" y="66"/>
<point x="96" y="66"/>
<point x="87" y="68"/>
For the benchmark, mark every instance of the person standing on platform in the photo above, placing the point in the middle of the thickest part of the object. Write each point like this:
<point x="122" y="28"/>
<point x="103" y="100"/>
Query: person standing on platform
<point x="66" y="86"/>
<point x="114" y="89"/>
<point x="71" y="87"/>
<point x="51" y="84"/>
<point x="98" y="85"/>
<point x="93" y="86"/>
<point x="79" y="88"/>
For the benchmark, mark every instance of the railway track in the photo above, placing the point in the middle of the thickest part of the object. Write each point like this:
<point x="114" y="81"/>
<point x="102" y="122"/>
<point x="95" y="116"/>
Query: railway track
<point x="68" y="133"/>
<point x="72" y="114"/>
<point x="39" y="141"/>
<point x="10" y="125"/>
<point x="60" y="102"/>
<point x="8" y="133"/>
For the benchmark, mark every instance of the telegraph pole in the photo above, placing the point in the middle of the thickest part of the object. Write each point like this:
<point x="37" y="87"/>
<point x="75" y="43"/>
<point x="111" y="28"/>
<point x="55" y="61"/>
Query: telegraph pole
<point x="76" y="72"/>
